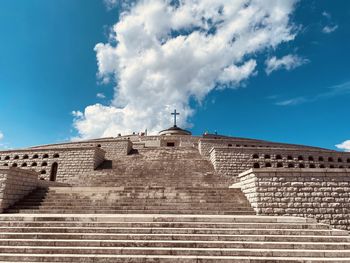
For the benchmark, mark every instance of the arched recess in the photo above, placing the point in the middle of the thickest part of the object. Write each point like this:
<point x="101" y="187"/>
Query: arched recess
<point x="53" y="173"/>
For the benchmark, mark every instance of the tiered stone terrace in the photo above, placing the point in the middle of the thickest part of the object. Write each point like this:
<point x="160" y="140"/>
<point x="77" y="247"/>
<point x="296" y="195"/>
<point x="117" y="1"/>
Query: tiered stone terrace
<point x="167" y="199"/>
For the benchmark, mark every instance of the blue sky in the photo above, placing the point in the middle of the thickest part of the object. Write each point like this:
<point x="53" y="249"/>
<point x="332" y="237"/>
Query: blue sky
<point x="48" y="68"/>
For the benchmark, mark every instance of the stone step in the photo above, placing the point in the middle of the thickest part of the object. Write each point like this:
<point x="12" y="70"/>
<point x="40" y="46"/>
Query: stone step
<point x="93" y="206"/>
<point x="175" y="243"/>
<point x="171" y="230"/>
<point x="175" y="251"/>
<point x="35" y="258"/>
<point x="155" y="218"/>
<point x="45" y="224"/>
<point x="109" y="211"/>
<point x="177" y="237"/>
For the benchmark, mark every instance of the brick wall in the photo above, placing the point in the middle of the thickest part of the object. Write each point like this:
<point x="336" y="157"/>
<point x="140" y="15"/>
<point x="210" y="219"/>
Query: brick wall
<point x="231" y="161"/>
<point x="323" y="194"/>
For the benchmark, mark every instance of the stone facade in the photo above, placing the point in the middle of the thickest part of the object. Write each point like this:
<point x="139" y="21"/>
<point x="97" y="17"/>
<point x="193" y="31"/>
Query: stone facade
<point x="70" y="161"/>
<point x="231" y="161"/>
<point x="15" y="183"/>
<point x="113" y="146"/>
<point x="323" y="194"/>
<point x="206" y="145"/>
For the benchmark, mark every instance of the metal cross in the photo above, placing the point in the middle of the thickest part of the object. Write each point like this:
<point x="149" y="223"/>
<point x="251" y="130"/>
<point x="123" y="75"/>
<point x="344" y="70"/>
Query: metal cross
<point x="175" y="114"/>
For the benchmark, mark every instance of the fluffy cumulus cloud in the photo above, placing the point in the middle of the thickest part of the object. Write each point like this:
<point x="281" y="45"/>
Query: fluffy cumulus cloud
<point x="345" y="146"/>
<point x="1" y="135"/>
<point x="163" y="53"/>
<point x="287" y="62"/>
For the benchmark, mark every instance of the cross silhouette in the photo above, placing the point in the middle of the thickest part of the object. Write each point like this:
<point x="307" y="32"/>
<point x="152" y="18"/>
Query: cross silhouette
<point x="175" y="114"/>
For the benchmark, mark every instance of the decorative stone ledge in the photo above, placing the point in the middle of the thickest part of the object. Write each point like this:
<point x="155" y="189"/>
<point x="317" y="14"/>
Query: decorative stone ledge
<point x="323" y="194"/>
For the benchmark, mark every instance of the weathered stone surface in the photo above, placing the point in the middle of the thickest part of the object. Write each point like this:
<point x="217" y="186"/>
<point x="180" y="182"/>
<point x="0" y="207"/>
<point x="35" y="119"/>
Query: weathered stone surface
<point x="322" y="194"/>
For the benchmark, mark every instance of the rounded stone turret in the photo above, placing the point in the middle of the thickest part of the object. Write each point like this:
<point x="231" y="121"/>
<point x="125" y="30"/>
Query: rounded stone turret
<point x="175" y="131"/>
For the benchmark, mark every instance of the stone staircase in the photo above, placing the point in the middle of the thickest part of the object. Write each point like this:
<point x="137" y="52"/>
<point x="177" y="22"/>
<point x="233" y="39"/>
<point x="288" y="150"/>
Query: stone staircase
<point x="164" y="166"/>
<point x="168" y="238"/>
<point x="158" y="205"/>
<point x="125" y="200"/>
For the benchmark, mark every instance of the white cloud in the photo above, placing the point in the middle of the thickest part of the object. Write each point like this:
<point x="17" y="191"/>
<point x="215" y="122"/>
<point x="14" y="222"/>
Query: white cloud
<point x="330" y="92"/>
<point x="123" y="4"/>
<point x="287" y="62"/>
<point x="329" y="29"/>
<point x="290" y="102"/>
<point x="163" y="55"/>
<point x="100" y="95"/>
<point x="326" y="15"/>
<point x="345" y="146"/>
<point x="1" y="135"/>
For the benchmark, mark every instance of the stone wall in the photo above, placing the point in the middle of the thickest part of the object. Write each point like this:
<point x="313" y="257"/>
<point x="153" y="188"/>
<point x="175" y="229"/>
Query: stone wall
<point x="112" y="146"/>
<point x="16" y="183"/>
<point x="206" y="145"/>
<point x="231" y="161"/>
<point x="71" y="162"/>
<point x="323" y="194"/>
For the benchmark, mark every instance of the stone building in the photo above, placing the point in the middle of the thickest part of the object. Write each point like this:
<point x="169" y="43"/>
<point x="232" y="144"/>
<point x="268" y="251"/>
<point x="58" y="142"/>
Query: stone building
<point x="174" y="197"/>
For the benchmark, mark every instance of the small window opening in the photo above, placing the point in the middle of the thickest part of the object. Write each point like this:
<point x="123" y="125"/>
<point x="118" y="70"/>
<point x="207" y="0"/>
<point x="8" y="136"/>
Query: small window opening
<point x="256" y="165"/>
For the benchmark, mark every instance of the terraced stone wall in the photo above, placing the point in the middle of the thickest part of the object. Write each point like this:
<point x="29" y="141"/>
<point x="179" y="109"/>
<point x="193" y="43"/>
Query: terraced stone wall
<point x="323" y="194"/>
<point x="113" y="147"/>
<point x="16" y="183"/>
<point x="71" y="162"/>
<point x="231" y="161"/>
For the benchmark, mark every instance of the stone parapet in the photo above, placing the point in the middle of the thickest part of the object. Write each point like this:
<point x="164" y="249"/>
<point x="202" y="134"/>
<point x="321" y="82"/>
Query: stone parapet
<point x="231" y="161"/>
<point x="323" y="194"/>
<point x="70" y="161"/>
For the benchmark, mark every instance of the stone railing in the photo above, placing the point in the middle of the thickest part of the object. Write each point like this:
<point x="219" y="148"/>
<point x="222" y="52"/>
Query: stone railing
<point x="16" y="183"/>
<point x="323" y="194"/>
